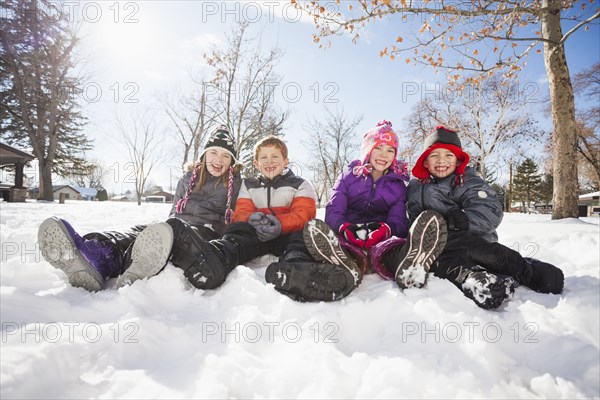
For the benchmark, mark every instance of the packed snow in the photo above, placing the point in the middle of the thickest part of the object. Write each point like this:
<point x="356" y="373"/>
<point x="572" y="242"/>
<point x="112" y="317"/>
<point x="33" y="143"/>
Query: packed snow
<point x="162" y="338"/>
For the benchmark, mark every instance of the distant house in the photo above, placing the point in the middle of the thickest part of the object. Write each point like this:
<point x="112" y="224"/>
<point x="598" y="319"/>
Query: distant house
<point x="88" y="194"/>
<point x="589" y="204"/>
<point x="119" y="198"/>
<point x="168" y="196"/>
<point x="70" y="192"/>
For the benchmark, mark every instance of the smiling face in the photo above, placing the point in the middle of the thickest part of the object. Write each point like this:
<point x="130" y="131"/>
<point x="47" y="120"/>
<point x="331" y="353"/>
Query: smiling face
<point x="217" y="161"/>
<point x="441" y="162"/>
<point x="382" y="157"/>
<point x="270" y="161"/>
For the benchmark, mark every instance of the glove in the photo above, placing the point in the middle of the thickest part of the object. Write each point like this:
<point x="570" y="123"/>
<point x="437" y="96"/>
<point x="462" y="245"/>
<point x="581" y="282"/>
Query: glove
<point x="271" y="231"/>
<point x="457" y="220"/>
<point x="257" y="218"/>
<point x="365" y="235"/>
<point x="355" y="234"/>
<point x="378" y="232"/>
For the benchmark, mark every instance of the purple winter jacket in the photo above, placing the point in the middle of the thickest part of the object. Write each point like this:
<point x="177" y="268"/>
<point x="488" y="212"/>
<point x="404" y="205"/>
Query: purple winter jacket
<point x="358" y="199"/>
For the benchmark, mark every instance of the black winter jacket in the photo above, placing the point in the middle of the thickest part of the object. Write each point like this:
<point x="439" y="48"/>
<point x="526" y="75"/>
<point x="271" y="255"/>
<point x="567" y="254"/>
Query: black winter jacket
<point x="476" y="198"/>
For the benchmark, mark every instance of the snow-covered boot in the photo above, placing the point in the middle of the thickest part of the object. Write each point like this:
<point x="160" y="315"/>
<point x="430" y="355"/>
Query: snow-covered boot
<point x="426" y="241"/>
<point x="302" y="279"/>
<point x="324" y="245"/>
<point x="381" y="249"/>
<point x="149" y="254"/>
<point x="87" y="263"/>
<point x="486" y="289"/>
<point x="204" y="263"/>
<point x="541" y="276"/>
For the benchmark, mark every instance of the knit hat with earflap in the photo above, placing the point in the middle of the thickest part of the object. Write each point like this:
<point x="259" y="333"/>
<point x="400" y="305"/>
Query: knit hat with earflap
<point x="220" y="139"/>
<point x="382" y="133"/>
<point x="445" y="138"/>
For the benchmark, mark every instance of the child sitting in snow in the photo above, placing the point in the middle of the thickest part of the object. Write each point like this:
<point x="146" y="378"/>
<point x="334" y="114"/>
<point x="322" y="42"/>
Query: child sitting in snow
<point x="367" y="210"/>
<point x="472" y="260"/>
<point x="269" y="216"/>
<point x="202" y="200"/>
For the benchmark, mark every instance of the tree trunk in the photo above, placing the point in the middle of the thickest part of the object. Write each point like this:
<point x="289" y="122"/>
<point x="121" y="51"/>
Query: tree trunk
<point x="564" y="136"/>
<point x="46" y="192"/>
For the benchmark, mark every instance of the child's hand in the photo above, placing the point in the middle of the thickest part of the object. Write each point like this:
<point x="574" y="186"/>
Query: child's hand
<point x="457" y="220"/>
<point x="365" y="235"/>
<point x="378" y="232"/>
<point x="355" y="234"/>
<point x="257" y="218"/>
<point x="270" y="231"/>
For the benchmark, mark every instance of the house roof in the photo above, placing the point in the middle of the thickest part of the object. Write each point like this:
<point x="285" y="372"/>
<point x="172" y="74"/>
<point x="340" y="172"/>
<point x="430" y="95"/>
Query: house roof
<point x="58" y="187"/>
<point x="85" y="191"/>
<point x="589" y="196"/>
<point x="11" y="155"/>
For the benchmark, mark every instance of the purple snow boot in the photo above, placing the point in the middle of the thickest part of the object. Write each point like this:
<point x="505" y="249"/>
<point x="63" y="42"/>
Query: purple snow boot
<point x="85" y="262"/>
<point x="379" y="250"/>
<point x="359" y="256"/>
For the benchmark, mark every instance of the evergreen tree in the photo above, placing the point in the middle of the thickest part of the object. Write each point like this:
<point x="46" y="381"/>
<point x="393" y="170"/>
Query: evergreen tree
<point x="102" y="195"/>
<point x="545" y="188"/>
<point x="39" y="88"/>
<point x="526" y="183"/>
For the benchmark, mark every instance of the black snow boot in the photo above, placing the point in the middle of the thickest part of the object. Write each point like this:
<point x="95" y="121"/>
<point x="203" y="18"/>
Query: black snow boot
<point x="324" y="245"/>
<point x="486" y="289"/>
<point x="541" y="277"/>
<point x="302" y="279"/>
<point x="204" y="263"/>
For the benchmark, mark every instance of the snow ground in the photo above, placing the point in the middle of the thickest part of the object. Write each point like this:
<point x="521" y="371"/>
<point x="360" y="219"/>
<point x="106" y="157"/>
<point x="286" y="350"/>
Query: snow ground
<point x="161" y="338"/>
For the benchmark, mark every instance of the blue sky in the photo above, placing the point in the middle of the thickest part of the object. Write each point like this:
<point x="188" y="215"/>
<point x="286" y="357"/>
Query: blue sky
<point x="143" y="49"/>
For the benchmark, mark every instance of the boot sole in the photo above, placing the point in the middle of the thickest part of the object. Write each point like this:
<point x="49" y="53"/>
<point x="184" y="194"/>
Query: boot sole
<point x="426" y="241"/>
<point x="150" y="253"/>
<point x="298" y="284"/>
<point x="323" y="244"/>
<point x="59" y="249"/>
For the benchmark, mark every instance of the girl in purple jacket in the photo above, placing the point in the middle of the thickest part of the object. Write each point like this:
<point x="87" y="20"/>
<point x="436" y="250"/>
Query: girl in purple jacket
<point x="366" y="223"/>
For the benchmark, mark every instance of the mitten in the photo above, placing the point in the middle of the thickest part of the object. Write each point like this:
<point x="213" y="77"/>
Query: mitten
<point x="257" y="218"/>
<point x="355" y="234"/>
<point x="271" y="231"/>
<point x="377" y="232"/>
<point x="457" y="220"/>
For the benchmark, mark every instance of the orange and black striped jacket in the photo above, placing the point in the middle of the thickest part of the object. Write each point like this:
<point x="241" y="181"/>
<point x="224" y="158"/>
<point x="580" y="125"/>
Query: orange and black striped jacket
<point x="290" y="198"/>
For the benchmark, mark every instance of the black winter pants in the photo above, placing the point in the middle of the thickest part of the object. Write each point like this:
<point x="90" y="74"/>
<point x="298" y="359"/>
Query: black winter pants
<point x="467" y="250"/>
<point x="240" y="244"/>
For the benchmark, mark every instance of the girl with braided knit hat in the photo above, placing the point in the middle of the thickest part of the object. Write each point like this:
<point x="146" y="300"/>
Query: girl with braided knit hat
<point x="203" y="203"/>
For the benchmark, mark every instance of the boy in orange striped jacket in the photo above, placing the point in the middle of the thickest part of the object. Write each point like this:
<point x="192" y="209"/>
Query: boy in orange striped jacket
<point x="270" y="213"/>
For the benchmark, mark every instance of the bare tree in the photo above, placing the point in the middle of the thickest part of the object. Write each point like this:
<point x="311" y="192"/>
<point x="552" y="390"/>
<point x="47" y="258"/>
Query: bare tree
<point x="244" y="87"/>
<point x="142" y="139"/>
<point x="331" y="144"/>
<point x="587" y="85"/>
<point x="93" y="177"/>
<point x="489" y="117"/>
<point x="192" y="117"/>
<point x="485" y="36"/>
